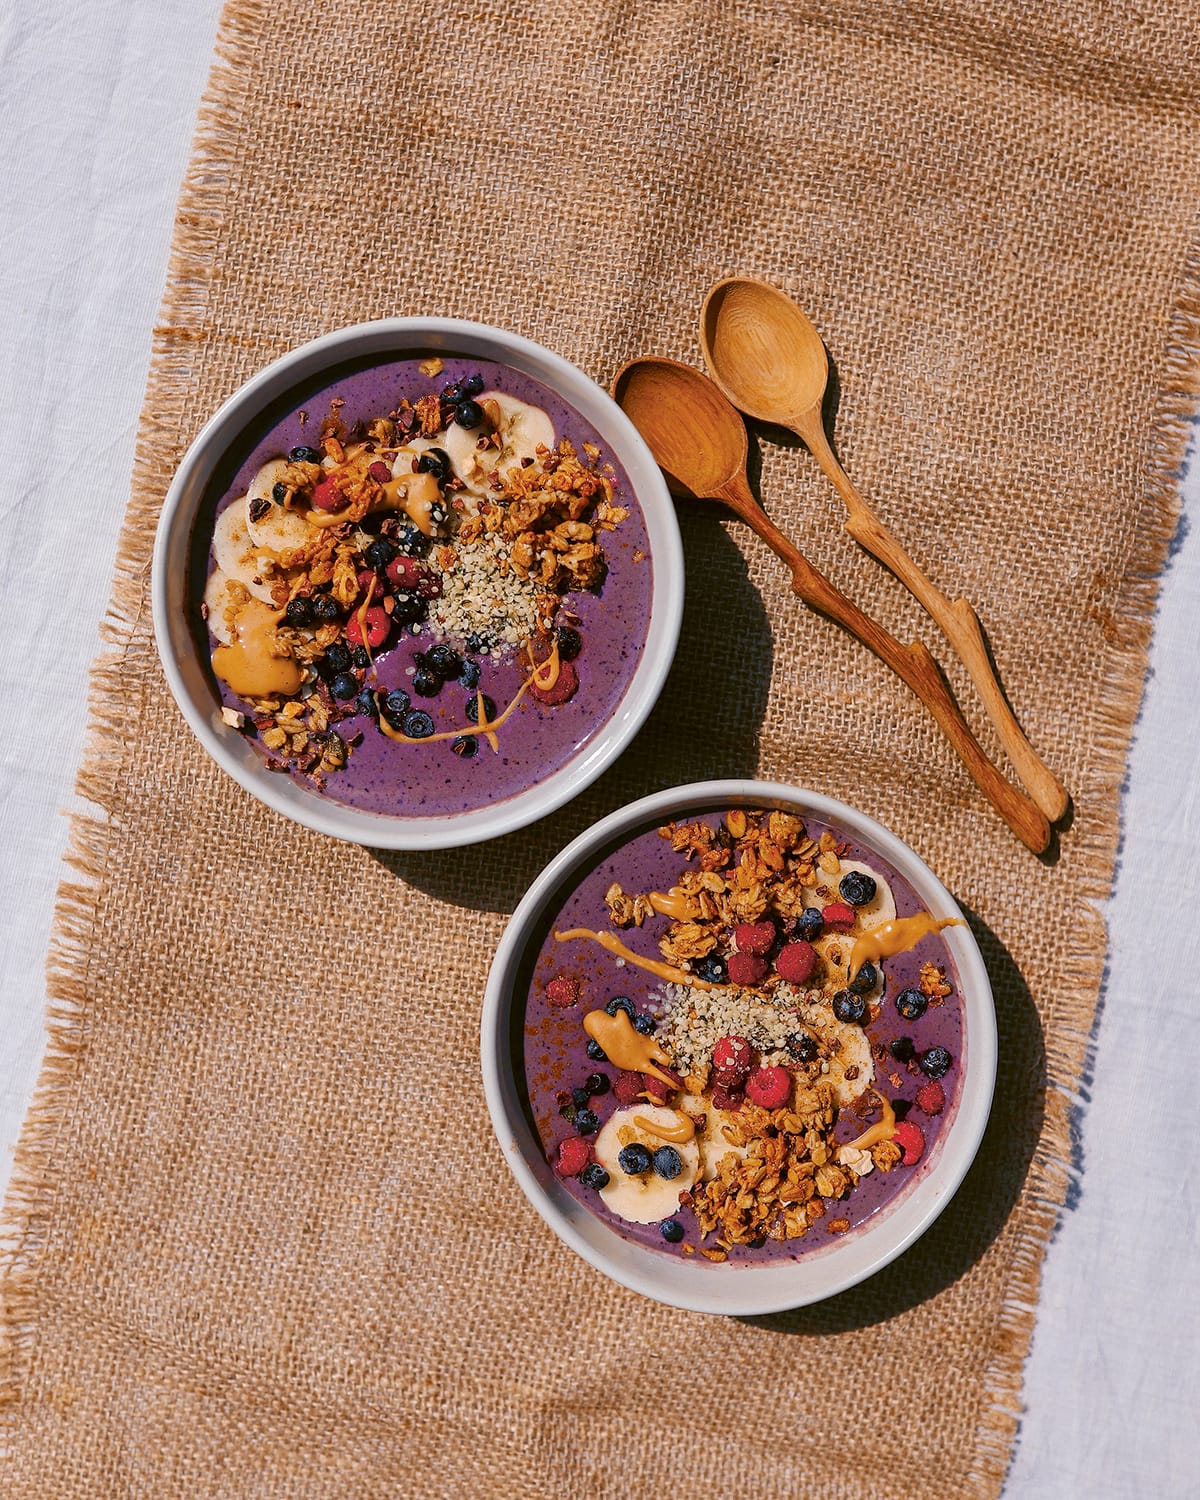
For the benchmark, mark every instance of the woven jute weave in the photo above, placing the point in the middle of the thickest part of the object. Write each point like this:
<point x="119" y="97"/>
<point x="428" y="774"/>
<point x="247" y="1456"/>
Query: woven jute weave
<point x="260" y="1240"/>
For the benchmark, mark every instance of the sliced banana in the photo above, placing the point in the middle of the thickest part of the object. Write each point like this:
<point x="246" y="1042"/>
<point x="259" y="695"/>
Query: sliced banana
<point x="849" y="1050"/>
<point x="879" y="909"/>
<point x="714" y="1146"/>
<point x="402" y="464"/>
<point x="647" y="1198"/>
<point x="237" y="556"/>
<point x="523" y="427"/>
<point x="279" y="529"/>
<point x="217" y="600"/>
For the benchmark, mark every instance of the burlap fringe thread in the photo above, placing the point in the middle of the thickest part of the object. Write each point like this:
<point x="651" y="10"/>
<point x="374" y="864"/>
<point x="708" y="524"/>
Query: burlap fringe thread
<point x="29" y="1205"/>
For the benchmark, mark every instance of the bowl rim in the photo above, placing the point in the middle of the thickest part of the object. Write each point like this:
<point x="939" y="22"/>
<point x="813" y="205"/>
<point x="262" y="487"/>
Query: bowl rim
<point x="778" y="1285"/>
<point x="389" y="338"/>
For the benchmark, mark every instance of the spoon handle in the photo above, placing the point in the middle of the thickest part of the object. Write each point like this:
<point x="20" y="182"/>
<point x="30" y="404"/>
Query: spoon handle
<point x="955" y="618"/>
<point x="914" y="664"/>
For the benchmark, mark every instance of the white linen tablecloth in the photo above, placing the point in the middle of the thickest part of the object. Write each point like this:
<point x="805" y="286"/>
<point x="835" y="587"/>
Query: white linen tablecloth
<point x="96" y="116"/>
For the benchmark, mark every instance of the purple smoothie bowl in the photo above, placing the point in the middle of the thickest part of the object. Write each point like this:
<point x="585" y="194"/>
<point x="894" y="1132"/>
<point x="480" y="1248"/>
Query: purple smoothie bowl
<point x="525" y="1059"/>
<point x="428" y="800"/>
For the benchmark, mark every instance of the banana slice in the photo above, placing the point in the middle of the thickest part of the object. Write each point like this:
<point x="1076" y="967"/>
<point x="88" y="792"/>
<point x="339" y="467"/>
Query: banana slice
<point x="835" y="949"/>
<point x="237" y="556"/>
<point x="712" y="1143"/>
<point x="402" y="464"/>
<point x="217" y="600"/>
<point x="278" y="529"/>
<point x="879" y="909"/>
<point x="523" y="428"/>
<point x="849" y="1050"/>
<point x="647" y="1198"/>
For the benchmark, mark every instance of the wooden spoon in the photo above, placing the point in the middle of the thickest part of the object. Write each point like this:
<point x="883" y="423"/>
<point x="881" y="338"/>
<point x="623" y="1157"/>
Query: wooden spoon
<point x="699" y="442"/>
<point x="769" y="360"/>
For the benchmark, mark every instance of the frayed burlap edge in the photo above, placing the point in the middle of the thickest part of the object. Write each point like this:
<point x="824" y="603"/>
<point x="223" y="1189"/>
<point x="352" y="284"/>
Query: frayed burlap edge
<point x="123" y="663"/>
<point x="199" y="220"/>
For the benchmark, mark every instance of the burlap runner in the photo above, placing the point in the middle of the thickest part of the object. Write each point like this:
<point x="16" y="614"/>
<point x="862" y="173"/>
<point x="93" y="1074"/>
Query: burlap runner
<point x="262" y="1240"/>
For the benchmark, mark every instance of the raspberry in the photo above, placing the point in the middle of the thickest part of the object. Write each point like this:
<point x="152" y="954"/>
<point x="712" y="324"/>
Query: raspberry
<point x="405" y="572"/>
<point x="931" y="1097"/>
<point x="378" y="626"/>
<point x="564" y="688"/>
<point x="651" y="1085"/>
<point x="628" y="1087"/>
<point x="796" y="962"/>
<point x="770" y="1088"/>
<point x="327" y="496"/>
<point x="911" y="1140"/>
<point x="562" y="991"/>
<point x="727" y="1099"/>
<point x="573" y="1155"/>
<point x="747" y="969"/>
<point x="365" y="579"/>
<point x="732" y="1057"/>
<point x="754" y="937"/>
<point x="838" y="915"/>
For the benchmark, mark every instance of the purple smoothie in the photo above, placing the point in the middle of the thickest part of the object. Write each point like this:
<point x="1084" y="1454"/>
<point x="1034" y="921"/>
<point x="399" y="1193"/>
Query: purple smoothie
<point x="382" y="776"/>
<point x="556" y="1060"/>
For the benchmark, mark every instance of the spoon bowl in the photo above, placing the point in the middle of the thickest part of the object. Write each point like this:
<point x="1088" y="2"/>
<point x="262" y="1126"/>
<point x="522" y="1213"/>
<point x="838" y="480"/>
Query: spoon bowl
<point x="763" y="352"/>
<point x="697" y="438"/>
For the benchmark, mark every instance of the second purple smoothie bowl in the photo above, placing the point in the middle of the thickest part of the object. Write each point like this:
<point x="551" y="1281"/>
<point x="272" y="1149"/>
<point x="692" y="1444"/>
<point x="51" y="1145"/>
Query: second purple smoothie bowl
<point x="633" y="617"/>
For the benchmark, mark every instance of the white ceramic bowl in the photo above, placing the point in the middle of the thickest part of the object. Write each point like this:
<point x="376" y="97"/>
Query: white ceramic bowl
<point x="187" y="669"/>
<point x="697" y="1284"/>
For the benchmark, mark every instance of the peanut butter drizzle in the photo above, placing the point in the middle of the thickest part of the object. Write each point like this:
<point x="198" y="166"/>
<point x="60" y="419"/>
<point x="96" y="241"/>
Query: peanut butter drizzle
<point x="882" y="1130"/>
<point x="683" y="1131"/>
<point x="247" y="664"/>
<point x="412" y="494"/>
<point x="483" y="727"/>
<point x="545" y="674"/>
<point x="896" y="936"/>
<point x="623" y="1046"/>
<point x="674" y="904"/>
<point x="616" y="947"/>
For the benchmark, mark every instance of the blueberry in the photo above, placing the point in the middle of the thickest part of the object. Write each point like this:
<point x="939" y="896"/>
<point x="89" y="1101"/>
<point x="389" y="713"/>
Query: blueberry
<point x="579" y="1098"/>
<point x="620" y="1002"/>
<point x="902" y="1049"/>
<point x="411" y="541"/>
<point x="344" y="686"/>
<point x="407" y="607"/>
<point x="325" y="607"/>
<point x="379" y="553"/>
<point x="667" y="1162"/>
<point x="569" y="641"/>
<point x="426" y="684"/>
<point x="857" y="889"/>
<point x="434" y="461"/>
<point x="711" y="968"/>
<point x="472" y="385"/>
<point x="596" y="1083"/>
<point x="468" y="414"/>
<point x="444" y="660"/>
<point x="303" y="454"/>
<point x="849" y="1008"/>
<point x="465" y="746"/>
<point x="469" y="676"/>
<point x="595" y="1051"/>
<point x="912" y="1004"/>
<point x="809" y="924"/>
<point x="279" y="492"/>
<point x="801" y="1046"/>
<point x="361" y="657"/>
<point x="594" y="1176"/>
<point x="365" y="703"/>
<point x="299" y="611"/>
<point x="935" y="1062"/>
<point x="671" y="1231"/>
<point x="864" y="981"/>
<point x="338" y="657"/>
<point x="477" y="643"/>
<point x="587" y="1122"/>
<point x="417" y="724"/>
<point x="395" y="706"/>
<point x="645" y="1025"/>
<point x="471" y="708"/>
<point x="453" y="393"/>
<point x="634" y="1159"/>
